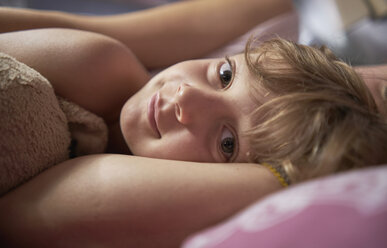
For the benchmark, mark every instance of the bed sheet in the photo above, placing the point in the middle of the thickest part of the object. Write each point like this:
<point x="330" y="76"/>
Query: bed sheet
<point x="343" y="210"/>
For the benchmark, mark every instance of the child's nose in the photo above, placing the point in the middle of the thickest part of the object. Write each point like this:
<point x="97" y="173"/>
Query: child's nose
<point x="192" y="104"/>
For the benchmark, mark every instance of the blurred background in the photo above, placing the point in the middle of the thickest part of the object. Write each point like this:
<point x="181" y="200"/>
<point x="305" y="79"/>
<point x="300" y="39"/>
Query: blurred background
<point x="356" y="30"/>
<point x="87" y="6"/>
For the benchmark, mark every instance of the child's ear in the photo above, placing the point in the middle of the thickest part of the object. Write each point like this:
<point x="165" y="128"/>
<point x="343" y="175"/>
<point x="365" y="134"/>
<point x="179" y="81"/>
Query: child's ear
<point x="377" y="85"/>
<point x="384" y="97"/>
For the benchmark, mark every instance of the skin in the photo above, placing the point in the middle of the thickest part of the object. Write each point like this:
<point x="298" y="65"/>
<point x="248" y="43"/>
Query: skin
<point x="120" y="201"/>
<point x="194" y="20"/>
<point x="375" y="79"/>
<point x="120" y="48"/>
<point x="195" y="112"/>
<point x="85" y="66"/>
<point x="114" y="200"/>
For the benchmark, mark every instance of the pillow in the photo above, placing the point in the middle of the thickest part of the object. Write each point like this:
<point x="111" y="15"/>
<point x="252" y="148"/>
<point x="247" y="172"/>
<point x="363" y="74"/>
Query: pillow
<point x="343" y="210"/>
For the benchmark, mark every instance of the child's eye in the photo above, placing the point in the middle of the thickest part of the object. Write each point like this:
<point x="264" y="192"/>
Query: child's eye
<point x="226" y="73"/>
<point x="227" y="143"/>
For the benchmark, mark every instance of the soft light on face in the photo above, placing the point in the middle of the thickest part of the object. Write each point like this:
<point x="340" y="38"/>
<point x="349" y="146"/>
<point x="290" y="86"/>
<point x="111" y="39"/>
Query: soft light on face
<point x="193" y="111"/>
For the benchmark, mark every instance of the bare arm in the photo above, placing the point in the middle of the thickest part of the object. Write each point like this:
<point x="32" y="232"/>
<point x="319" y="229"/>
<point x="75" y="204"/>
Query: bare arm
<point x="163" y="35"/>
<point x="95" y="71"/>
<point x="123" y="201"/>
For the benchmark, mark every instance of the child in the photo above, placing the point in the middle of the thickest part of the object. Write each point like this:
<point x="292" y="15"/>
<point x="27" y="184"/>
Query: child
<point x="298" y="109"/>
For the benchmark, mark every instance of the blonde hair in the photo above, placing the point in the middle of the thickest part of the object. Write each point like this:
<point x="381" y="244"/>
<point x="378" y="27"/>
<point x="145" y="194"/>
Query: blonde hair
<point x="320" y="119"/>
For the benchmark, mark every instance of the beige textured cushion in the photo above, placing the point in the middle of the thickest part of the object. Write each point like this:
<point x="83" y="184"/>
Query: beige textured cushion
<point x="36" y="127"/>
<point x="33" y="129"/>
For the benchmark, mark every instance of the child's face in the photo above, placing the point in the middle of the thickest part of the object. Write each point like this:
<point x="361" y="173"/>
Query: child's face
<point x="193" y="111"/>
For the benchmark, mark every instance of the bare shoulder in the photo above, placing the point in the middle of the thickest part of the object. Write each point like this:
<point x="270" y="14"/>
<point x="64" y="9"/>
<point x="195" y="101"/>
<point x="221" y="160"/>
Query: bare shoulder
<point x="117" y="198"/>
<point x="95" y="71"/>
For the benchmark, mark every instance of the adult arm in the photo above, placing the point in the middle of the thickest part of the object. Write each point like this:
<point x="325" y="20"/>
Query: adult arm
<point x="164" y="35"/>
<point x="124" y="201"/>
